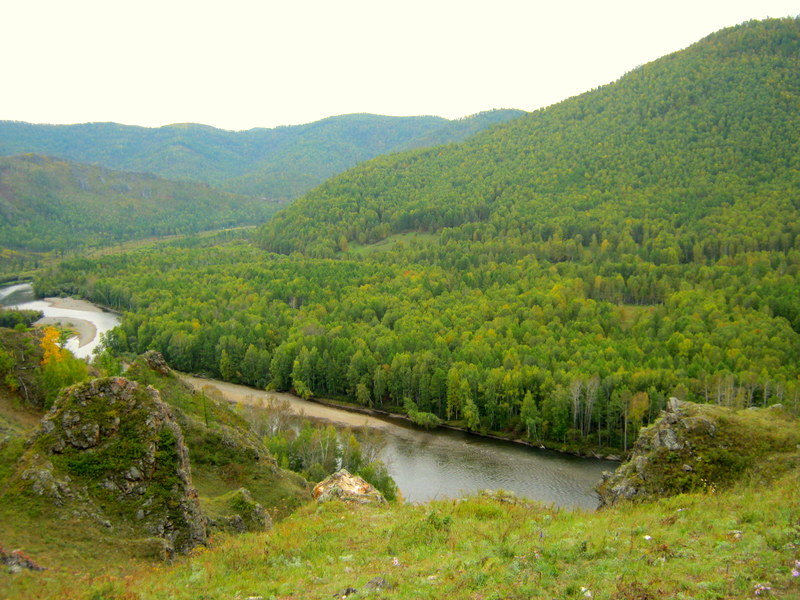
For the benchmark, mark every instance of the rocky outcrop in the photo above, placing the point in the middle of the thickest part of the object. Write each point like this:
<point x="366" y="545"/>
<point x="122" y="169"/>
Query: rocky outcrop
<point x="696" y="446"/>
<point x="113" y="443"/>
<point x="156" y="362"/>
<point x="344" y="486"/>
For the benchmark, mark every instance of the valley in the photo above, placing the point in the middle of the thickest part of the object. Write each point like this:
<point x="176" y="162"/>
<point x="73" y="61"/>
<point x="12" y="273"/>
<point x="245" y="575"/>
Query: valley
<point x="617" y="274"/>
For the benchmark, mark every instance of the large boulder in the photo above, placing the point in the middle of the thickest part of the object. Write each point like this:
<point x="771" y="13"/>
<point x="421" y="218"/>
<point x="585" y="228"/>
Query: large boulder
<point x="342" y="485"/>
<point x="699" y="446"/>
<point x="112" y="450"/>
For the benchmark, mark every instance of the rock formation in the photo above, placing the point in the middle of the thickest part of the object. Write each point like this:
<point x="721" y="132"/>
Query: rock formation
<point x="699" y="446"/>
<point x="237" y="512"/>
<point x="112" y="450"/>
<point x="155" y="361"/>
<point x="342" y="485"/>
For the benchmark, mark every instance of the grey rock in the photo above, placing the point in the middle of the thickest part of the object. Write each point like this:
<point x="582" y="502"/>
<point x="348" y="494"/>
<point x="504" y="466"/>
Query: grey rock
<point x="674" y="405"/>
<point x="668" y="438"/>
<point x="16" y="562"/>
<point x="378" y="583"/>
<point x="87" y="418"/>
<point x="45" y="483"/>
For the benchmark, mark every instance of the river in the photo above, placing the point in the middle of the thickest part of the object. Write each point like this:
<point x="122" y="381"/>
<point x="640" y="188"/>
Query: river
<point x="425" y="464"/>
<point x="88" y="320"/>
<point x="443" y="463"/>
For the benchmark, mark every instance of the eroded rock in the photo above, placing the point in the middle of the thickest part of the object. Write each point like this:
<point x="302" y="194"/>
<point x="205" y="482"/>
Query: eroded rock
<point x="15" y="561"/>
<point x="345" y="486"/>
<point x="113" y="441"/>
<point x="239" y="512"/>
<point x="156" y="361"/>
<point x="693" y="446"/>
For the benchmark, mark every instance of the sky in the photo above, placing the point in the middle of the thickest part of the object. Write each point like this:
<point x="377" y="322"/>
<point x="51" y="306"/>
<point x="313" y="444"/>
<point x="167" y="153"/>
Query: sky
<point x="238" y="64"/>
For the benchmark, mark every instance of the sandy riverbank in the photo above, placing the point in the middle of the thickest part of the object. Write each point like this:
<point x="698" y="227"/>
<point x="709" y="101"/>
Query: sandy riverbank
<point x="73" y="304"/>
<point x="86" y="331"/>
<point x="246" y="395"/>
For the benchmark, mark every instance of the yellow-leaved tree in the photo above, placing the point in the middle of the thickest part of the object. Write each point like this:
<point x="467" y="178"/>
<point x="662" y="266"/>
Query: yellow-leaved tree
<point x="52" y="352"/>
<point x="59" y="367"/>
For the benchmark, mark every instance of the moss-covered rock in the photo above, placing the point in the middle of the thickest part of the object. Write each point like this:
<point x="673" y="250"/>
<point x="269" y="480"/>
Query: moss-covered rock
<point x="226" y="454"/>
<point x="237" y="512"/>
<point x="700" y="446"/>
<point x="114" y="447"/>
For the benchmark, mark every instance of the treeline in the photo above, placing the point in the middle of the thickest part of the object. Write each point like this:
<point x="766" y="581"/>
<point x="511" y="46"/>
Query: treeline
<point x="583" y="263"/>
<point x="547" y="350"/>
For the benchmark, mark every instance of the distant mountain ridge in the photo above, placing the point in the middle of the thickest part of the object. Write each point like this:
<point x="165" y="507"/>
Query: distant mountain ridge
<point x="283" y="162"/>
<point x="47" y="204"/>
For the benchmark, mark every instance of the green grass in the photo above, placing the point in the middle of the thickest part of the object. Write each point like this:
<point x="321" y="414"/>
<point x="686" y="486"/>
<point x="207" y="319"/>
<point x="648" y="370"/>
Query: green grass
<point x="75" y="548"/>
<point x="700" y="546"/>
<point x="708" y="545"/>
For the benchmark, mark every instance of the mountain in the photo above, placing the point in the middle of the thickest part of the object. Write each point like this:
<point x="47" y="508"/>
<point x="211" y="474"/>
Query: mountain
<point x="692" y="157"/>
<point x="276" y="163"/>
<point x="47" y="203"/>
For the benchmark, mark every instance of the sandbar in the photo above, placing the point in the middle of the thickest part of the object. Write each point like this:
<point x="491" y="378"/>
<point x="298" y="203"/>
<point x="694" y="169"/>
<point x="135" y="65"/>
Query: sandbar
<point x="86" y="330"/>
<point x="73" y="304"/>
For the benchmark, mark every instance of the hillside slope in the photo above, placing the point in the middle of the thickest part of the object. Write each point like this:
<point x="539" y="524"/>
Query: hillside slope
<point x="120" y="472"/>
<point x="47" y="204"/>
<point x="692" y="157"/>
<point x="277" y="163"/>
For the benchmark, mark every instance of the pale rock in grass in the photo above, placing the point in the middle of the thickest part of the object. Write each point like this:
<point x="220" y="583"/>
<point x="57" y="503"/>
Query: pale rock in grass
<point x="347" y="487"/>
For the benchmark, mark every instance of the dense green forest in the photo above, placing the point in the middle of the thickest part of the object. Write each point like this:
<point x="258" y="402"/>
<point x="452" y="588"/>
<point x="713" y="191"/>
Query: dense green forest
<point x="690" y="158"/>
<point x="48" y="204"/>
<point x="279" y="163"/>
<point x="557" y="277"/>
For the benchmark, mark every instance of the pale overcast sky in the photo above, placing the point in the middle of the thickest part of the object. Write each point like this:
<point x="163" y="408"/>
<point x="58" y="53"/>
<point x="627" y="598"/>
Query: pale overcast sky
<point x="238" y="64"/>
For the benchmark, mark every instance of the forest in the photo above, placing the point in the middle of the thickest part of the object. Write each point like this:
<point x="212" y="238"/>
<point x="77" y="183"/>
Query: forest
<point x="555" y="278"/>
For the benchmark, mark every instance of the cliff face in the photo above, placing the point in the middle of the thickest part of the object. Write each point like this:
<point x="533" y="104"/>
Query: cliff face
<point x="111" y="450"/>
<point x="696" y="446"/>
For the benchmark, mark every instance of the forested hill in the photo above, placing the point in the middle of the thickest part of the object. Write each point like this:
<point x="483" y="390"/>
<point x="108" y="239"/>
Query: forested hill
<point x="692" y="157"/>
<point x="275" y="163"/>
<point x="48" y="204"/>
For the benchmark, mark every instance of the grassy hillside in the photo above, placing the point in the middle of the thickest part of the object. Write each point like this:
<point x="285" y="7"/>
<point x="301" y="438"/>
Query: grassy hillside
<point x="727" y="544"/>
<point x="736" y="537"/>
<point x="70" y="523"/>
<point x="49" y="204"/>
<point x="278" y="163"/>
<point x="699" y="546"/>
